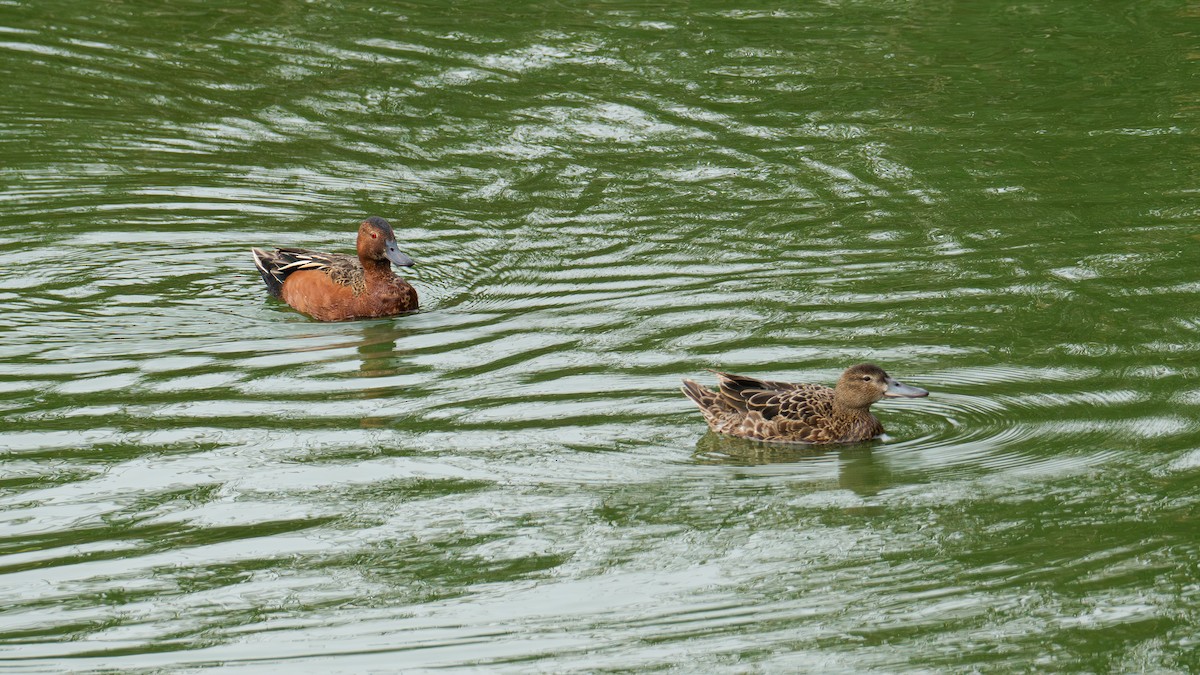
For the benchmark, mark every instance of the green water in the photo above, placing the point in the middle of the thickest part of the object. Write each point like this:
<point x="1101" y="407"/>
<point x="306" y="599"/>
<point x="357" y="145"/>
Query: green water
<point x="996" y="201"/>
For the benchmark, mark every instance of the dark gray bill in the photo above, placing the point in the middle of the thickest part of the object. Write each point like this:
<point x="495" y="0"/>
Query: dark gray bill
<point x="393" y="253"/>
<point x="898" y="389"/>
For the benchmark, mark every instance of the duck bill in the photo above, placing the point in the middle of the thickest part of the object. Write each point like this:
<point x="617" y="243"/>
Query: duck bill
<point x="393" y="253"/>
<point x="897" y="389"/>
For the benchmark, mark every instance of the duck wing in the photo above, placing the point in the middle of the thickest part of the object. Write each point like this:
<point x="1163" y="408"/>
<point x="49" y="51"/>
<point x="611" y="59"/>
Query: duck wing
<point x="779" y="401"/>
<point x="275" y="266"/>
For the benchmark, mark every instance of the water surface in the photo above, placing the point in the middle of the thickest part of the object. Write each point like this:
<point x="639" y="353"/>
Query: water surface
<point x="995" y="201"/>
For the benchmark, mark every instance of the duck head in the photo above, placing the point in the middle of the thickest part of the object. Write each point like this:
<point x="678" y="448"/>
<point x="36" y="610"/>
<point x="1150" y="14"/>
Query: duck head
<point x="861" y="385"/>
<point x="377" y="243"/>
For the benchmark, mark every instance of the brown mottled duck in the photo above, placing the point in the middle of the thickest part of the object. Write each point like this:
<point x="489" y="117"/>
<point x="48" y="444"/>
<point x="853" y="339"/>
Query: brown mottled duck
<point x="783" y="412"/>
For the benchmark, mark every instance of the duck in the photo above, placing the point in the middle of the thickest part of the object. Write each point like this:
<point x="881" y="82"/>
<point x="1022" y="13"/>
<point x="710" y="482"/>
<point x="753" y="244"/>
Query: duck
<point x="341" y="287"/>
<point x="782" y="412"/>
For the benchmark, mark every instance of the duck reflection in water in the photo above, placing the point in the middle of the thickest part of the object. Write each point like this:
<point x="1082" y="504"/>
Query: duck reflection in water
<point x="782" y="412"/>
<point x="857" y="468"/>
<point x="380" y="362"/>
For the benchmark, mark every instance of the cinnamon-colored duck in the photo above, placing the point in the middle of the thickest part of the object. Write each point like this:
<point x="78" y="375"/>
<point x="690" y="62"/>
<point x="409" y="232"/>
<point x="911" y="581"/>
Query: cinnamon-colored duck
<point x="336" y="286"/>
<point x="762" y="410"/>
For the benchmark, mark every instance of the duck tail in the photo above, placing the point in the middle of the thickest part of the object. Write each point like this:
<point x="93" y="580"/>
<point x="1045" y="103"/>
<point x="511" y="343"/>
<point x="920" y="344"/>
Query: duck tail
<point x="699" y="395"/>
<point x="709" y="401"/>
<point x="267" y="267"/>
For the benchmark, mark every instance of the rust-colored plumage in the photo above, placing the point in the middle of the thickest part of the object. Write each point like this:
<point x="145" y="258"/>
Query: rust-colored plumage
<point x="764" y="410"/>
<point x="337" y="287"/>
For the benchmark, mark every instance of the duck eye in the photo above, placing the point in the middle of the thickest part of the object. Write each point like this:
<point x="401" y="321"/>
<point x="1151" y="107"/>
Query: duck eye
<point x="374" y="236"/>
<point x="866" y="378"/>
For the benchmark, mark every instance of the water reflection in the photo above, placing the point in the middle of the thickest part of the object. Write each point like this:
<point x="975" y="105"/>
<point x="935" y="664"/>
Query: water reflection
<point x="858" y="467"/>
<point x="380" y="362"/>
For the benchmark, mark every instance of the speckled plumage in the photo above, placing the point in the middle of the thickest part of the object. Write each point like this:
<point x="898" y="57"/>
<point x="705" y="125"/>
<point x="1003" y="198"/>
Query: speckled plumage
<point x="766" y="410"/>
